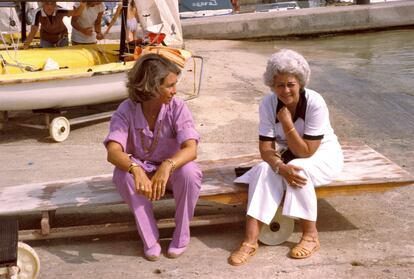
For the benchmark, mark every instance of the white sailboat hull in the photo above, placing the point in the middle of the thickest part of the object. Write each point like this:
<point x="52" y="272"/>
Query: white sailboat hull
<point x="97" y="89"/>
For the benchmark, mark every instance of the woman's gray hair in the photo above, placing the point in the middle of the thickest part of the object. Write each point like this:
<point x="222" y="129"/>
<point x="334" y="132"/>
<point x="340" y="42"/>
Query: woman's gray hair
<point x="289" y="62"/>
<point x="147" y="75"/>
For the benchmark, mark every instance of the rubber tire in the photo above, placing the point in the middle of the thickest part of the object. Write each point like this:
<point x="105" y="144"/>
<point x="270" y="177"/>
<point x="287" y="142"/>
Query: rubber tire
<point x="59" y="129"/>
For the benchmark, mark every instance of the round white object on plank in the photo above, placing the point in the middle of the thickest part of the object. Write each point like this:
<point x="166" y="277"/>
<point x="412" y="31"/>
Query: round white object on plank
<point x="278" y="231"/>
<point x="27" y="262"/>
<point x="59" y="128"/>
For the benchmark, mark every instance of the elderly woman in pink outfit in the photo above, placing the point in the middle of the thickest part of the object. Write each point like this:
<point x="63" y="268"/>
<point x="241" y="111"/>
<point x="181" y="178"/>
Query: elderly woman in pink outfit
<point x="153" y="144"/>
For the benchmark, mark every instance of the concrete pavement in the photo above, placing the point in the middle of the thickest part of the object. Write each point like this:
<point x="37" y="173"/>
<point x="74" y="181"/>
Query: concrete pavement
<point x="366" y="236"/>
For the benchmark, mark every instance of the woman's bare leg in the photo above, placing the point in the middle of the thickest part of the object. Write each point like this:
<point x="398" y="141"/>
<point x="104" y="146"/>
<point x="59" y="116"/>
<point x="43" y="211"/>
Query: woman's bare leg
<point x="309" y="229"/>
<point x="252" y="232"/>
<point x="130" y="36"/>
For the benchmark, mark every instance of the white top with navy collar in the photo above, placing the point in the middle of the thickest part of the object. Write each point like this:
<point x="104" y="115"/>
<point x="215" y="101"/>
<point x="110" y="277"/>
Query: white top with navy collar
<point x="311" y="119"/>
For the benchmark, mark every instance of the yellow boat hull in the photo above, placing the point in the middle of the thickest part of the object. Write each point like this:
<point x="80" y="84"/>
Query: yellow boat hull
<point x="74" y="57"/>
<point x="86" y="75"/>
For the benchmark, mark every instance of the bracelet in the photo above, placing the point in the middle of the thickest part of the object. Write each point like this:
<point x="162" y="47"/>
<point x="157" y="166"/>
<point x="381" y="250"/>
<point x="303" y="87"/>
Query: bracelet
<point x="278" y="155"/>
<point x="172" y="164"/>
<point x="276" y="169"/>
<point x="290" y="131"/>
<point x="132" y="166"/>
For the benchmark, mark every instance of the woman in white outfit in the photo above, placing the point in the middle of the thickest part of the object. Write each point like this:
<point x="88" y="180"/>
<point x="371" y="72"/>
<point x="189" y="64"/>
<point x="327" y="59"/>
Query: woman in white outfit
<point x="87" y="26"/>
<point x="300" y="152"/>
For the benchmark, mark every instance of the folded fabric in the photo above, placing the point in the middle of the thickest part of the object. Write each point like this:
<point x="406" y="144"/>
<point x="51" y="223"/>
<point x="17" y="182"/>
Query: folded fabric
<point x="169" y="53"/>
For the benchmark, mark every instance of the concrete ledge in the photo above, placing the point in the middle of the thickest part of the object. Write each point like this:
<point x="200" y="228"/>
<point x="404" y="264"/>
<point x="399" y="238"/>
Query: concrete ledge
<point x="311" y="21"/>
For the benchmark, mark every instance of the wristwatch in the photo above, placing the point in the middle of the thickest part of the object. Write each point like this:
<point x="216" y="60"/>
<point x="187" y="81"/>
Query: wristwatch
<point x="132" y="166"/>
<point x="276" y="168"/>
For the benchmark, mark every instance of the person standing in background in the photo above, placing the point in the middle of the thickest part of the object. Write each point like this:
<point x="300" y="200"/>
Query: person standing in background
<point x="236" y="6"/>
<point x="49" y="18"/>
<point x="87" y="26"/>
<point x="132" y="21"/>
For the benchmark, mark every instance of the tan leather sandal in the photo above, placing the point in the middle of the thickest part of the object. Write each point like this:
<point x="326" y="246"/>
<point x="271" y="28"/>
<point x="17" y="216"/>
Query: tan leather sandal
<point x="240" y="257"/>
<point x="300" y="252"/>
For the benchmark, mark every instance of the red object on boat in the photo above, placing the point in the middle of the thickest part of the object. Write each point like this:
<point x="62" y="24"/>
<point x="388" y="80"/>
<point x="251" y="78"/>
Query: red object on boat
<point x="155" y="38"/>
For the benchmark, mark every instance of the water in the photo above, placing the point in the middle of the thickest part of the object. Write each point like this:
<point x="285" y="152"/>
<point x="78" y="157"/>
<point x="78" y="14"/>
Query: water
<point x="369" y="78"/>
<point x="366" y="80"/>
<point x="384" y="60"/>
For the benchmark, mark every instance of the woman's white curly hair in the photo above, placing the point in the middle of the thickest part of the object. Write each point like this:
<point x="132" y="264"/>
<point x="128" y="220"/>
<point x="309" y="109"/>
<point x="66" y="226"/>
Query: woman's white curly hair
<point x="290" y="62"/>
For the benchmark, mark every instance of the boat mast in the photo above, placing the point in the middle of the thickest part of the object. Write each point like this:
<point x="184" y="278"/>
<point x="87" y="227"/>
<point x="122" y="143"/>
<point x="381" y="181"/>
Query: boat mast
<point x="123" y="26"/>
<point x="23" y="13"/>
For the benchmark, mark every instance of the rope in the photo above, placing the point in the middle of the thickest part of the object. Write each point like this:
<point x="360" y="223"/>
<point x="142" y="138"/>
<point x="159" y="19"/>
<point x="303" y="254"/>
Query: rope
<point x="22" y="66"/>
<point x="194" y="79"/>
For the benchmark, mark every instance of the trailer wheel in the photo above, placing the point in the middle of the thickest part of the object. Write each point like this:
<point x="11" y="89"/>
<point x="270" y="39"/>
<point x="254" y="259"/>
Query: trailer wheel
<point x="28" y="263"/>
<point x="59" y="128"/>
<point x="278" y="230"/>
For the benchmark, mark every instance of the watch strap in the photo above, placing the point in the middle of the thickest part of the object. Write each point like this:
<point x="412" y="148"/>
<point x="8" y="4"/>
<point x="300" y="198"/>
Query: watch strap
<point x="132" y="166"/>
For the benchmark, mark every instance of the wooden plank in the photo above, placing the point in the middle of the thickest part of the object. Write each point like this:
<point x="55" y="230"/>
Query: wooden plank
<point x="350" y="190"/>
<point x="99" y="190"/>
<point x="84" y="191"/>
<point x="241" y="197"/>
<point x="363" y="165"/>
<point x="365" y="171"/>
<point x="45" y="223"/>
<point x="114" y="228"/>
<point x="229" y="198"/>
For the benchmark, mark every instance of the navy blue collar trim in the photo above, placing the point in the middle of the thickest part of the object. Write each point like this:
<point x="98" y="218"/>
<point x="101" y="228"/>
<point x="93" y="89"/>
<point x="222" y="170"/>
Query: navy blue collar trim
<point x="300" y="107"/>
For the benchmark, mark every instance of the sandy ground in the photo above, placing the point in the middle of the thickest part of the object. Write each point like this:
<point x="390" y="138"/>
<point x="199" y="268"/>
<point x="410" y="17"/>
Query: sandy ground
<point x="367" y="236"/>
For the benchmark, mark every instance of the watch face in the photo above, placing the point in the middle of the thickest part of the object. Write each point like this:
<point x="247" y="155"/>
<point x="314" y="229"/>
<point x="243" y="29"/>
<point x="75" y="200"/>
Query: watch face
<point x="131" y="166"/>
<point x="276" y="169"/>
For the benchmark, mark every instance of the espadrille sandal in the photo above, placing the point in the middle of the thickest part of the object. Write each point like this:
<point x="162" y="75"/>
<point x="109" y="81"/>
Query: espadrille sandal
<point x="300" y="252"/>
<point x="240" y="257"/>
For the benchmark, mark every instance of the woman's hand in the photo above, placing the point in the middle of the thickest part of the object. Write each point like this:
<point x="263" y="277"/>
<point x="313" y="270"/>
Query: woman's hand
<point x="87" y="31"/>
<point x="143" y="184"/>
<point x="122" y="160"/>
<point x="284" y="116"/>
<point x="99" y="36"/>
<point x="291" y="174"/>
<point x="159" y="181"/>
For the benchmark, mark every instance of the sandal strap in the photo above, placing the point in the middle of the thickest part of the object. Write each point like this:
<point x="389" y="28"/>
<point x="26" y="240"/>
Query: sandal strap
<point x="309" y="238"/>
<point x="298" y="249"/>
<point x="253" y="246"/>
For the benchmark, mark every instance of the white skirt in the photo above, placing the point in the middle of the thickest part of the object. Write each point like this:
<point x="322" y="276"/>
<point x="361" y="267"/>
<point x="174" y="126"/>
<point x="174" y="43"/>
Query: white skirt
<point x="266" y="188"/>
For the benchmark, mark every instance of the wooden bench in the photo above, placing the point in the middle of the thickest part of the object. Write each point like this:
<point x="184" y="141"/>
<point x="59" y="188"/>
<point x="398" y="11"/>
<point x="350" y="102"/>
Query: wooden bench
<point x="365" y="171"/>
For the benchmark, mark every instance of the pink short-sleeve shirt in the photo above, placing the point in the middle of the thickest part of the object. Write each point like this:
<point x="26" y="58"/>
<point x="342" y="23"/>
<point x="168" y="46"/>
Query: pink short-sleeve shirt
<point x="148" y="148"/>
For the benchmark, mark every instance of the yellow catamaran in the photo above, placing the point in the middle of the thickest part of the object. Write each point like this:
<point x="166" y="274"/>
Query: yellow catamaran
<point x="53" y="78"/>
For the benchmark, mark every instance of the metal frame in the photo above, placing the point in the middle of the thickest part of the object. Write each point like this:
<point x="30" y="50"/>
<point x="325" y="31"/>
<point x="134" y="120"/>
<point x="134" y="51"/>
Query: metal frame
<point x="51" y="114"/>
<point x="9" y="227"/>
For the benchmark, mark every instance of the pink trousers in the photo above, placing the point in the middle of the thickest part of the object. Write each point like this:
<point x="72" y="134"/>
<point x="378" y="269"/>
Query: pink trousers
<point x="185" y="184"/>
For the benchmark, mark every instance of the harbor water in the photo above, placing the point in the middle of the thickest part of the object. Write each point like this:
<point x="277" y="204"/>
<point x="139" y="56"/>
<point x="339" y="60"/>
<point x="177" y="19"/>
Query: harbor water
<point x="368" y="78"/>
